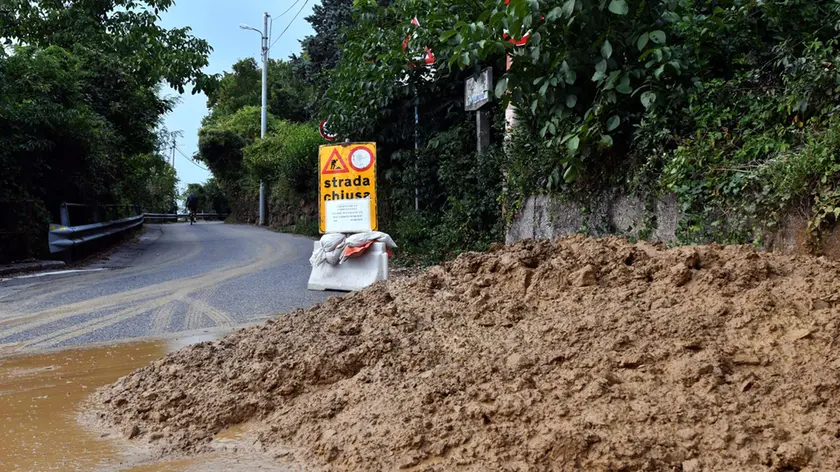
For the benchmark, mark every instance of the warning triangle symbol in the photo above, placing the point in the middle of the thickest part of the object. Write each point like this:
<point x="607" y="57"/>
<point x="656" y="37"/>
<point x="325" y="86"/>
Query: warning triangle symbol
<point x="335" y="164"/>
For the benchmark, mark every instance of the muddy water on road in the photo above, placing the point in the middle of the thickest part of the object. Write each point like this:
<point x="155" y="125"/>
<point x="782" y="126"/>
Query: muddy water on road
<point x="40" y="397"/>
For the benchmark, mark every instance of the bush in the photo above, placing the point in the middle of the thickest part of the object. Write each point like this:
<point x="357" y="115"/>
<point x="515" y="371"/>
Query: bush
<point x="298" y="161"/>
<point x="729" y="105"/>
<point x="460" y="205"/>
<point x="290" y="152"/>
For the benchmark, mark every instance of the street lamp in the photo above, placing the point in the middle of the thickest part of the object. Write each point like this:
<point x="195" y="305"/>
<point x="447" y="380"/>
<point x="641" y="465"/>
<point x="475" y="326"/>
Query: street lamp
<point x="264" y="118"/>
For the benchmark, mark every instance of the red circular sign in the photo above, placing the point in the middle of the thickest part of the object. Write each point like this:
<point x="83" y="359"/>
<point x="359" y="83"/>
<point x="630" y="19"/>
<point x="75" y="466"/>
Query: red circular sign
<point x="361" y="158"/>
<point x="326" y="134"/>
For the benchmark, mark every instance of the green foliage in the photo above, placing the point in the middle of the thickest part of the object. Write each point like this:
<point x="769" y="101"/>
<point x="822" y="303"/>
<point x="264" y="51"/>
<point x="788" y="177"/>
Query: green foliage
<point x="373" y="93"/>
<point x="580" y="79"/>
<point x="246" y="123"/>
<point x="80" y="101"/>
<point x="221" y="149"/>
<point x="286" y="159"/>
<point x="127" y="29"/>
<point x="376" y="82"/>
<point x="459" y="198"/>
<point x="764" y="140"/>
<point x="150" y="182"/>
<point x="727" y="104"/>
<point x="288" y="98"/>
<point x="211" y="197"/>
<point x="236" y="89"/>
<point x="322" y="51"/>
<point x="229" y="140"/>
<point x="289" y="153"/>
<point x="627" y="62"/>
<point x="529" y="167"/>
<point x="737" y="195"/>
<point x="372" y="96"/>
<point x="232" y="149"/>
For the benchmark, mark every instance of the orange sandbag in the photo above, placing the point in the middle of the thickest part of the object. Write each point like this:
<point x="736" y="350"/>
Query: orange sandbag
<point x="357" y="251"/>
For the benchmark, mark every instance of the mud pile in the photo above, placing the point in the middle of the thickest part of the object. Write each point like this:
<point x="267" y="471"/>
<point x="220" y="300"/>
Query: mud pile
<point x="576" y="355"/>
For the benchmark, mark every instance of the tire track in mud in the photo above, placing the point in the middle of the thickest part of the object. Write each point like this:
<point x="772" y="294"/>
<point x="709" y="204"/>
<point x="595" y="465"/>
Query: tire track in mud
<point x="158" y="293"/>
<point x="198" y="308"/>
<point x="164" y="289"/>
<point x="161" y="261"/>
<point x="162" y="300"/>
<point x="162" y="318"/>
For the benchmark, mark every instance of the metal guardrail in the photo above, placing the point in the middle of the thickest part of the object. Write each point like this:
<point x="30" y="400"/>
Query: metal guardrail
<point x="63" y="238"/>
<point x="95" y="213"/>
<point x="97" y="221"/>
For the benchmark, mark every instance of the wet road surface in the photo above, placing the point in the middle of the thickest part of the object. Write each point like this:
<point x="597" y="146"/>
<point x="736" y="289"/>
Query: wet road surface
<point x="43" y="395"/>
<point x="175" y="278"/>
<point x="63" y="336"/>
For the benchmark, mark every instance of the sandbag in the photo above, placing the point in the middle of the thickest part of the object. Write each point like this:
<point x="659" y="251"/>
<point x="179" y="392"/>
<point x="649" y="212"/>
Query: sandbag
<point x="359" y="239"/>
<point x="356" y="251"/>
<point x="363" y="241"/>
<point x="330" y="242"/>
<point x="333" y="247"/>
<point x="329" y="250"/>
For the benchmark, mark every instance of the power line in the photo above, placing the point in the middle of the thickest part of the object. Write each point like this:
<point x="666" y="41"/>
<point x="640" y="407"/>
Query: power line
<point x="287" y="10"/>
<point x="290" y="24"/>
<point x="191" y="160"/>
<point x="271" y="25"/>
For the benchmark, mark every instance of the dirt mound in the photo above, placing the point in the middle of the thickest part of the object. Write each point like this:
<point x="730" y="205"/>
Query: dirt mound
<point x="576" y="355"/>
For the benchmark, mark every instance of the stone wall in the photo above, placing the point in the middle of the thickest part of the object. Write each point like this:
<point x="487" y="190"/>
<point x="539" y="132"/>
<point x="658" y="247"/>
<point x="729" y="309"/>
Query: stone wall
<point x="617" y="213"/>
<point x="612" y="212"/>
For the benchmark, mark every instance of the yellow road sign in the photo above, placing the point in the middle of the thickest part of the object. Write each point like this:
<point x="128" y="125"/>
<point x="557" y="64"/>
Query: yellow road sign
<point x="347" y="187"/>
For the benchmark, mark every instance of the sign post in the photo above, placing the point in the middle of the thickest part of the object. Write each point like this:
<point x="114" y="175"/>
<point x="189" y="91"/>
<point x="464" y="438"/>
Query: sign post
<point x="477" y="93"/>
<point x="347" y="188"/>
<point x="347" y="204"/>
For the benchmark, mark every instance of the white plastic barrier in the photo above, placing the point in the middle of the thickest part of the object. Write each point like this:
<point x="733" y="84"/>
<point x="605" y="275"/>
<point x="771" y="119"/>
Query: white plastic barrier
<point x="353" y="274"/>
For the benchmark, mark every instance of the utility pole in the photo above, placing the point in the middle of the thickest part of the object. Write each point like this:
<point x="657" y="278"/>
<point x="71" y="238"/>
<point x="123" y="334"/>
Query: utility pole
<point x="264" y="39"/>
<point x="264" y="120"/>
<point x="174" y="145"/>
<point x="416" y="144"/>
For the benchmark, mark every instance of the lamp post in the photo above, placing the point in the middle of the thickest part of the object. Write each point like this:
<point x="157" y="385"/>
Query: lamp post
<point x="264" y="118"/>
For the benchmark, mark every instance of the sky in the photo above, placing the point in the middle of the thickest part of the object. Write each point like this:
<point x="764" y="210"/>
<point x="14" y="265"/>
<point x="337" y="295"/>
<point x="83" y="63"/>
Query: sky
<point x="217" y="22"/>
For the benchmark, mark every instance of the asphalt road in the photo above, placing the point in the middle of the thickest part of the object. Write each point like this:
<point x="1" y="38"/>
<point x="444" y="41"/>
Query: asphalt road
<point x="178" y="278"/>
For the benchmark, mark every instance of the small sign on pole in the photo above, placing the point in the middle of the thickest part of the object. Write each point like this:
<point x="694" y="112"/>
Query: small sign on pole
<point x="347" y="188"/>
<point x="322" y="128"/>
<point x="477" y="91"/>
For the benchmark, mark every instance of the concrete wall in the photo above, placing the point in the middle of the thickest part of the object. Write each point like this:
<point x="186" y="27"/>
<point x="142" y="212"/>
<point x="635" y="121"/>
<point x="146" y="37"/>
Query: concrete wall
<point x="616" y="213"/>
<point x="609" y="213"/>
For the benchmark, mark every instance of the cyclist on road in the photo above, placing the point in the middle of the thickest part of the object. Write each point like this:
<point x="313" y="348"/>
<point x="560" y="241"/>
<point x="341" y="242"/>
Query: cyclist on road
<point x="192" y="206"/>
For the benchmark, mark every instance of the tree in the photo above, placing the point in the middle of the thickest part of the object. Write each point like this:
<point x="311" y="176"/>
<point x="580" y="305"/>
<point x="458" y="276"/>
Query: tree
<point x="381" y="75"/>
<point x="322" y="51"/>
<point x="211" y="198"/>
<point x="79" y="90"/>
<point x="127" y="29"/>
<point x="236" y="89"/>
<point x="288" y="98"/>
<point x="289" y="153"/>
<point x="149" y="182"/>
